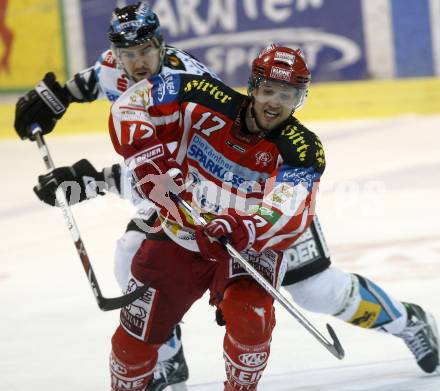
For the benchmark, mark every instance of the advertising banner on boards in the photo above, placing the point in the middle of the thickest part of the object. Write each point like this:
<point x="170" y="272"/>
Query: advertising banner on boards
<point x="227" y="34"/>
<point x="31" y="43"/>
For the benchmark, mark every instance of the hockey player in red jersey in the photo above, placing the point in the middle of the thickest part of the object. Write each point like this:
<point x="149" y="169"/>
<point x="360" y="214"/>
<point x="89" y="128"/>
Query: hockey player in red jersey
<point x="258" y="197"/>
<point x="254" y="169"/>
<point x="137" y="51"/>
<point x="319" y="287"/>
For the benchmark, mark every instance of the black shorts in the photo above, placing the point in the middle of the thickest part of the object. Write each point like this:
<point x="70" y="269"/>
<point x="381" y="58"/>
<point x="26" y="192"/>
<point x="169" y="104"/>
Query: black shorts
<point x="308" y="256"/>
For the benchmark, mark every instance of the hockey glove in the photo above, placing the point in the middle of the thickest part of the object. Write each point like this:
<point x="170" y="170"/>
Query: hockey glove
<point x="44" y="105"/>
<point x="240" y="231"/>
<point x="79" y="182"/>
<point x="155" y="174"/>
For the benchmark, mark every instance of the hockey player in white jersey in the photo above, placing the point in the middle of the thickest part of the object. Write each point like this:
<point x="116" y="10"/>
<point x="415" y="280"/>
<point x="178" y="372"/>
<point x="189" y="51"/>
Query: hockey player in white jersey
<point x="137" y="52"/>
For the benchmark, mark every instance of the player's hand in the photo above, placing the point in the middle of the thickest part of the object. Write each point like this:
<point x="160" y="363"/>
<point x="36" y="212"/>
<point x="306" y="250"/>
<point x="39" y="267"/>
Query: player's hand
<point x="155" y="177"/>
<point x="240" y="231"/>
<point x="43" y="105"/>
<point x="79" y="182"/>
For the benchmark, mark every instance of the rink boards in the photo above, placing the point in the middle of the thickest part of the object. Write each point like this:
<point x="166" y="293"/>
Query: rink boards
<point x="343" y="100"/>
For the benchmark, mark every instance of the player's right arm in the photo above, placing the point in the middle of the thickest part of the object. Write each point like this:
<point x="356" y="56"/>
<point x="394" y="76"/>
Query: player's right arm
<point x="80" y="181"/>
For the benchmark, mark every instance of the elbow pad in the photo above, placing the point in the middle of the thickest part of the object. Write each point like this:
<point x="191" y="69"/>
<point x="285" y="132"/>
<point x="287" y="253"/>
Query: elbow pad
<point x="83" y="86"/>
<point x="112" y="177"/>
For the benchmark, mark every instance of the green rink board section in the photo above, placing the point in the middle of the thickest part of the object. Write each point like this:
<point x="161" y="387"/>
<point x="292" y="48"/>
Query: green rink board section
<point x="327" y="101"/>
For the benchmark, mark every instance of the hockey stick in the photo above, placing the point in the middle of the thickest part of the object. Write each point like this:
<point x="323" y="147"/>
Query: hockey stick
<point x="334" y="348"/>
<point x="105" y="304"/>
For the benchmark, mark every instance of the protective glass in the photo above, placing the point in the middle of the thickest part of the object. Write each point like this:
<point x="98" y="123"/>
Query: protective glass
<point x="279" y="93"/>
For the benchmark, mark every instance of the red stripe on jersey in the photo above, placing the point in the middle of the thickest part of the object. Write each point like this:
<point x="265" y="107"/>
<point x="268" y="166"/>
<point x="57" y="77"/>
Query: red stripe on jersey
<point x="161" y="110"/>
<point x="134" y="108"/>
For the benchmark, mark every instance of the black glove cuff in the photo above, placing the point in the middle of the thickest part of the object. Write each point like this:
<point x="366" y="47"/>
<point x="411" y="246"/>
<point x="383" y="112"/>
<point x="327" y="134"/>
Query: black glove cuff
<point x="112" y="176"/>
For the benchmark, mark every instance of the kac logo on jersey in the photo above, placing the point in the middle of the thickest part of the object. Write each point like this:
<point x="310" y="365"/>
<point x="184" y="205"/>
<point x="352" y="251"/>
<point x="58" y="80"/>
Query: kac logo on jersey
<point x="263" y="158"/>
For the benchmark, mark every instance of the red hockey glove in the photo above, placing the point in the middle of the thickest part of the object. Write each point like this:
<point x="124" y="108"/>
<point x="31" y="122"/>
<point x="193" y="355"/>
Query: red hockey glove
<point x="239" y="230"/>
<point x="155" y="174"/>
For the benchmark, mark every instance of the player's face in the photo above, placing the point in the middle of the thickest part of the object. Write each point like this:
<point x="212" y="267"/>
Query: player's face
<point x="273" y="103"/>
<point x="140" y="62"/>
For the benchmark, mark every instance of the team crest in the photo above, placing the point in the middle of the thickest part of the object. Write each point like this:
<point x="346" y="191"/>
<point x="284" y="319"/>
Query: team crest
<point x="140" y="97"/>
<point x="263" y="158"/>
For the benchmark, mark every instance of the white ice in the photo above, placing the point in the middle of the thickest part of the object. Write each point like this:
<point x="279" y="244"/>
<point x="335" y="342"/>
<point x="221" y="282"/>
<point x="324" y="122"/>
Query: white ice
<point x="379" y="208"/>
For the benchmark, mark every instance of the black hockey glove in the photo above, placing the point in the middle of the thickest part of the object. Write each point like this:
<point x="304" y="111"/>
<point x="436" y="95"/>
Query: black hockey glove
<point x="79" y="182"/>
<point x="44" y="105"/>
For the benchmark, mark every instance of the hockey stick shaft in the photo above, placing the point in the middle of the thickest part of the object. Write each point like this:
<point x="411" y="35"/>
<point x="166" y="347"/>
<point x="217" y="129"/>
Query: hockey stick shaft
<point x="333" y="347"/>
<point x="105" y="304"/>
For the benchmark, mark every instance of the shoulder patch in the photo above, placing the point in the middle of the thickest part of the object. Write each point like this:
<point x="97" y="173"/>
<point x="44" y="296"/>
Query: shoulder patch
<point x="297" y="137"/>
<point x="299" y="147"/>
<point x="138" y="96"/>
<point x="165" y="88"/>
<point x="174" y="62"/>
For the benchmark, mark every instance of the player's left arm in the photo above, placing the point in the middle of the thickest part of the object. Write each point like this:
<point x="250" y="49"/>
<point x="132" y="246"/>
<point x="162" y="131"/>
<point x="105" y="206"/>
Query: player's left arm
<point x="290" y="194"/>
<point x="287" y="208"/>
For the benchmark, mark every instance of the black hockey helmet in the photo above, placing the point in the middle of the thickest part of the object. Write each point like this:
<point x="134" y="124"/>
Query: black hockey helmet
<point x="133" y="25"/>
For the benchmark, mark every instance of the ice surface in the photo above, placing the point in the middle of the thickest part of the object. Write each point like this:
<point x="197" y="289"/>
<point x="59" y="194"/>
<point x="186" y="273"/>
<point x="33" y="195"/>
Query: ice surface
<point x="379" y="210"/>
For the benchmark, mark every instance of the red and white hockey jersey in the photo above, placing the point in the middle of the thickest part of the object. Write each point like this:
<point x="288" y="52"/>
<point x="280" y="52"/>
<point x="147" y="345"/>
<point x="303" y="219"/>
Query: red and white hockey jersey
<point x="274" y="178"/>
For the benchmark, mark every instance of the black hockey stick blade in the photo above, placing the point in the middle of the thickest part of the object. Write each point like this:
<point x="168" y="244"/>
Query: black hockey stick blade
<point x="336" y="348"/>
<point x="109" y="304"/>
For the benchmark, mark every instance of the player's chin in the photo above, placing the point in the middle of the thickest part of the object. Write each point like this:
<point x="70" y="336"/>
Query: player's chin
<point x="138" y="76"/>
<point x="269" y="123"/>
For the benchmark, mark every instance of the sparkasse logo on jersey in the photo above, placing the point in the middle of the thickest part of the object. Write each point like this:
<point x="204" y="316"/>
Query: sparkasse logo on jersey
<point x="222" y="168"/>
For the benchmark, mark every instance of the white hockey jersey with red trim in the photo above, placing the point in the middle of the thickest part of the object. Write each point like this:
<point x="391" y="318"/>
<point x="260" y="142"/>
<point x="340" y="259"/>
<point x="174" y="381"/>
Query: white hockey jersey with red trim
<point x="113" y="82"/>
<point x="273" y="178"/>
